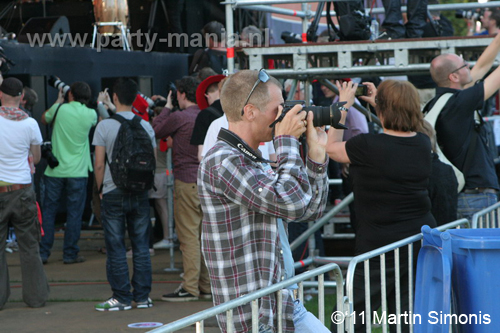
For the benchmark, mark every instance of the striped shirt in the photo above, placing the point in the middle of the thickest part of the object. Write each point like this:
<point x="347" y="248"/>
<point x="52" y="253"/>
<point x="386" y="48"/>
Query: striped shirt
<point x="241" y="202"/>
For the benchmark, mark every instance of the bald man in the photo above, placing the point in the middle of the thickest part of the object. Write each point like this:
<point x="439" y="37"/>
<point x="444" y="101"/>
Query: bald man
<point x="460" y="126"/>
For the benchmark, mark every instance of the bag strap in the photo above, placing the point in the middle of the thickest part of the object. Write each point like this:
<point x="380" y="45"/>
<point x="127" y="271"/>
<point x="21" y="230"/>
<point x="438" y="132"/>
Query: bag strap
<point x="432" y="117"/>
<point x="329" y="19"/>
<point x="52" y="124"/>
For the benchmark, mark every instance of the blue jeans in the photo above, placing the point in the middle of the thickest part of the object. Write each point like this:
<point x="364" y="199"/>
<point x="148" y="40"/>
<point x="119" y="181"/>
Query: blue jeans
<point x="76" y="189"/>
<point x="120" y="212"/>
<point x="303" y="320"/>
<point x="469" y="204"/>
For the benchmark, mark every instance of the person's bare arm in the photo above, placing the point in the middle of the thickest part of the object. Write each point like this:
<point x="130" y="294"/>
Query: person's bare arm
<point x="485" y="61"/>
<point x="36" y="153"/>
<point x="99" y="163"/>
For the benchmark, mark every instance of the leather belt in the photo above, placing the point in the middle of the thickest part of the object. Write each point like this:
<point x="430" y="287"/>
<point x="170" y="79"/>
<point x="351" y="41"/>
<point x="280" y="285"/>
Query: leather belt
<point x="480" y="190"/>
<point x="14" y="187"/>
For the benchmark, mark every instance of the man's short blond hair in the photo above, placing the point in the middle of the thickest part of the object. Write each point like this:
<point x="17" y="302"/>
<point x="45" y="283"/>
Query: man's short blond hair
<point x="235" y="90"/>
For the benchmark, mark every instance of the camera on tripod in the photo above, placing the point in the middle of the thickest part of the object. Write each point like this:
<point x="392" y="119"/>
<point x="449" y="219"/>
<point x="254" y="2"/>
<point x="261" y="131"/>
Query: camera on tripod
<point x="290" y="37"/>
<point x="46" y="149"/>
<point x="323" y="115"/>
<point x="56" y="82"/>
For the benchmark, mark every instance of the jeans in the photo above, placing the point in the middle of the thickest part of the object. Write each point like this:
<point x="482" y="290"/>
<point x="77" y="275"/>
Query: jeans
<point x="393" y="22"/>
<point x="76" y="189"/>
<point x="469" y="204"/>
<point x="303" y="320"/>
<point x="19" y="208"/>
<point x="124" y="211"/>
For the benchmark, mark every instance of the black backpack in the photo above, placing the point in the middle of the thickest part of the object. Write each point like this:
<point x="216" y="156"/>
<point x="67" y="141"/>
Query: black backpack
<point x="353" y="23"/>
<point x="133" y="162"/>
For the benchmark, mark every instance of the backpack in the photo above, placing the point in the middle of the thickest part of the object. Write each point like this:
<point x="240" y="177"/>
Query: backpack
<point x="353" y="23"/>
<point x="216" y="60"/>
<point x="133" y="161"/>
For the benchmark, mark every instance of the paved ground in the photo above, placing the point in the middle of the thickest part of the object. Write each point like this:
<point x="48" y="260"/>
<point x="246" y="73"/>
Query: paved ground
<point x="76" y="288"/>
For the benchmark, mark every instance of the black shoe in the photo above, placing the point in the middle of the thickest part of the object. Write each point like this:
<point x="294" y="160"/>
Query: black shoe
<point x="76" y="260"/>
<point x="204" y="295"/>
<point x="179" y="295"/>
<point x="44" y="260"/>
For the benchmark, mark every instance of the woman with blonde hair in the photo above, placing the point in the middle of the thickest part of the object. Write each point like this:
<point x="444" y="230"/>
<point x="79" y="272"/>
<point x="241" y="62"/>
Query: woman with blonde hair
<point x="390" y="173"/>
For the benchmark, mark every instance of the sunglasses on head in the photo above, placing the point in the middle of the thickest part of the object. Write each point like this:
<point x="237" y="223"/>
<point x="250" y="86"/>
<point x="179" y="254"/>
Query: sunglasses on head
<point x="262" y="77"/>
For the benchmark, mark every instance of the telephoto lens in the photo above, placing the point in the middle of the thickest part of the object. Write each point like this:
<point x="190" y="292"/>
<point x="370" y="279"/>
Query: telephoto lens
<point x="56" y="82"/>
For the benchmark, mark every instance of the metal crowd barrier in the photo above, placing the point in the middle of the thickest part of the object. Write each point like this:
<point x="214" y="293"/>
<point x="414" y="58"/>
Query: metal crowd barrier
<point x="487" y="218"/>
<point x="365" y="258"/>
<point x="228" y="307"/>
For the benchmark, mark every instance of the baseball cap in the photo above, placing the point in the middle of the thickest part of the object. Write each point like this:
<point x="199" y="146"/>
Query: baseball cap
<point x="12" y="87"/>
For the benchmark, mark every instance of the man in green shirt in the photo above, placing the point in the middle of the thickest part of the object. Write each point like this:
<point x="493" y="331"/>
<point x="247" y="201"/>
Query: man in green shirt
<point x="71" y="123"/>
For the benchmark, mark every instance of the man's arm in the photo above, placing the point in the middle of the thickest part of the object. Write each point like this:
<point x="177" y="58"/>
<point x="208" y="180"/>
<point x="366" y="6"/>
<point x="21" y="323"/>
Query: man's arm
<point x="335" y="147"/>
<point x="99" y="163"/>
<point x="492" y="83"/>
<point x="36" y="153"/>
<point x="200" y="153"/>
<point x="485" y="61"/>
<point x="162" y="125"/>
<point x="60" y="100"/>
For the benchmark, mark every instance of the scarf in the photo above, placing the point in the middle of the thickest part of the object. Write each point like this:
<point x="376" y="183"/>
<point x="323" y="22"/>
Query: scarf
<point x="13" y="113"/>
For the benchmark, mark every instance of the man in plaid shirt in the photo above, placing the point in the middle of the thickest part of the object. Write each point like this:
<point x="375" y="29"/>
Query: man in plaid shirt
<point x="247" y="206"/>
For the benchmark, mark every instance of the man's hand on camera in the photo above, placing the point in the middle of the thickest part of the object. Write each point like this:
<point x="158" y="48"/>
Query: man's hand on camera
<point x="60" y="97"/>
<point x="293" y="123"/>
<point x="316" y="138"/>
<point x="168" y="99"/>
<point x="347" y="92"/>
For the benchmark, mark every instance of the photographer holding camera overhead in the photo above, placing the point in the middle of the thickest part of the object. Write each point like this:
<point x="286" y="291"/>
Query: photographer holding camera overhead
<point x="247" y="206"/>
<point x="71" y="123"/>
<point x="490" y="21"/>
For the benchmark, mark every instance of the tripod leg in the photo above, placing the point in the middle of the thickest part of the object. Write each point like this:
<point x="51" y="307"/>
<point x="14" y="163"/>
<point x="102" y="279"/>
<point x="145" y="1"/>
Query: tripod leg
<point x="152" y="16"/>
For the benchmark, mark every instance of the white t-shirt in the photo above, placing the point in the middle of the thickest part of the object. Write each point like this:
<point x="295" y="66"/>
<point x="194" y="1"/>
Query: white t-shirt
<point x="266" y="148"/>
<point x="16" y="137"/>
<point x="105" y="135"/>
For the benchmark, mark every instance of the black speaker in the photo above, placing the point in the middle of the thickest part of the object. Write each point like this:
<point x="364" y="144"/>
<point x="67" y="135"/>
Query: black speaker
<point x="46" y="28"/>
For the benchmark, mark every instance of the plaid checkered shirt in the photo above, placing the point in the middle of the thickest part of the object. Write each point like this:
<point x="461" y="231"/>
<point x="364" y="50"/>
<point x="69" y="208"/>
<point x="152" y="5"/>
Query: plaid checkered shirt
<point x="241" y="201"/>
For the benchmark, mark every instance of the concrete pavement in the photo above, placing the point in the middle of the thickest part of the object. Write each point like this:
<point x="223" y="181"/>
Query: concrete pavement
<point x="76" y="288"/>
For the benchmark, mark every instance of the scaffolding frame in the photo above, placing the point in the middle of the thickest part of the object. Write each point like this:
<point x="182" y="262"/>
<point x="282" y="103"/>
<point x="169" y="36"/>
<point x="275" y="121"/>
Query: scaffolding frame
<point x="400" y="49"/>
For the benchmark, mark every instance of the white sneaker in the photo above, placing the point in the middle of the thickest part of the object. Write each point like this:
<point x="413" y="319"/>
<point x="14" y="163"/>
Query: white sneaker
<point x="163" y="244"/>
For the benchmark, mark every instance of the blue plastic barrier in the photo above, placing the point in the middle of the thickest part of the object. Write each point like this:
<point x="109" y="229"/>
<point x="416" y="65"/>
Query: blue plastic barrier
<point x="466" y="261"/>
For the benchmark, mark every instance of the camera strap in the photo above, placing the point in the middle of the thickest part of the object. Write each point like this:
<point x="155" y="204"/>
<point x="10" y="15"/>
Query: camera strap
<point x="235" y="141"/>
<point x="50" y="127"/>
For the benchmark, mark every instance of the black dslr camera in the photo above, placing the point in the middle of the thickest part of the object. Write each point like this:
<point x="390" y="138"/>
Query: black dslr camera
<point x="48" y="155"/>
<point x="323" y="115"/>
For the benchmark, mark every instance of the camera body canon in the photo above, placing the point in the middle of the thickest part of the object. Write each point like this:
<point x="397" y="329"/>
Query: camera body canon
<point x="323" y="115"/>
<point x="46" y="149"/>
